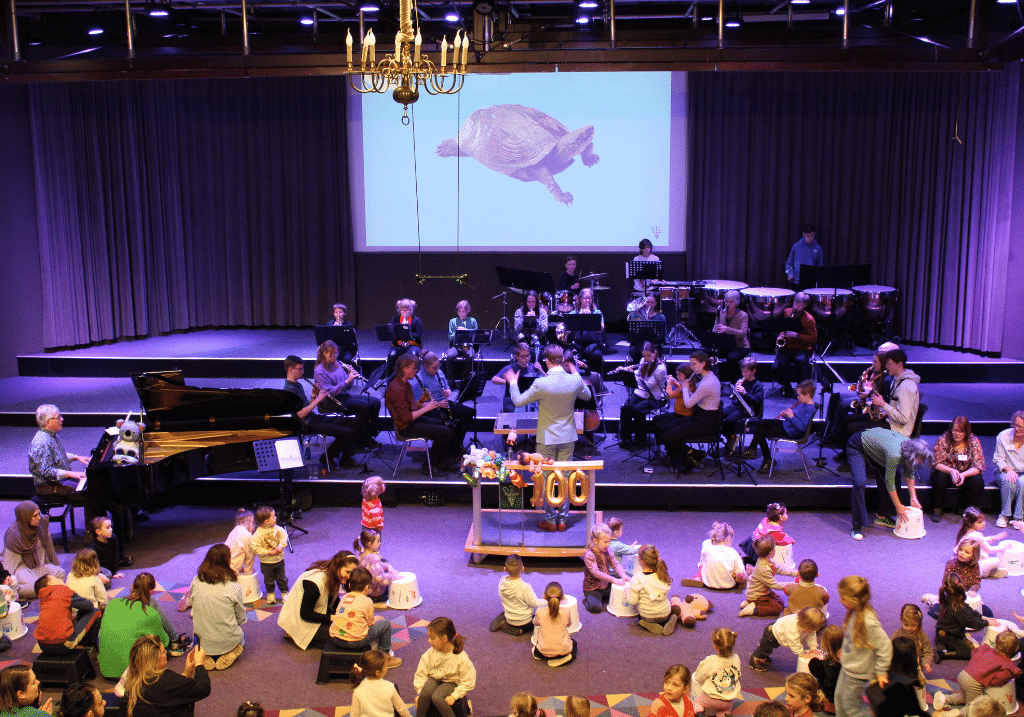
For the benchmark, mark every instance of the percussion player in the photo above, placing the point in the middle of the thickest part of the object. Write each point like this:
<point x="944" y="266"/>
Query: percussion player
<point x="569" y="278"/>
<point x="807" y="250"/>
<point x="797" y="347"/>
<point x="731" y="320"/>
<point x="593" y="350"/>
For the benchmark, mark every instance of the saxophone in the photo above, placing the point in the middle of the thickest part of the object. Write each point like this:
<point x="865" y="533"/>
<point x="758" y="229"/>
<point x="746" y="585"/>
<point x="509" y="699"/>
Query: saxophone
<point x="864" y="405"/>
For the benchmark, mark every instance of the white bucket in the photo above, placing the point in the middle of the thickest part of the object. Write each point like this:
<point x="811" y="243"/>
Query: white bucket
<point x="250" y="585"/>
<point x="913" y="527"/>
<point x="617" y="604"/>
<point x="404" y="593"/>
<point x="784" y="556"/>
<point x="569" y="603"/>
<point x="974" y="601"/>
<point x="13" y="624"/>
<point x="1004" y="695"/>
<point x="1012" y="558"/>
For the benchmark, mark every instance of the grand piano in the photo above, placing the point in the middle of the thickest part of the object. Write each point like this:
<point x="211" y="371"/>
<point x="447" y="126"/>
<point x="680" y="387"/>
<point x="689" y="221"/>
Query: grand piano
<point x="191" y="432"/>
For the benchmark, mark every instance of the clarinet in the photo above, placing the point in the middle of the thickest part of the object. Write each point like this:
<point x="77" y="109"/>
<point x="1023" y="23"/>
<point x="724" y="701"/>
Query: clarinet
<point x="743" y="401"/>
<point x="451" y="419"/>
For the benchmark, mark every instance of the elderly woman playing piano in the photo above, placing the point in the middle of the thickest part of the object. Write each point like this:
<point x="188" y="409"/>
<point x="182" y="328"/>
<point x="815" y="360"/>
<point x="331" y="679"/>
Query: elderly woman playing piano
<point x="48" y="461"/>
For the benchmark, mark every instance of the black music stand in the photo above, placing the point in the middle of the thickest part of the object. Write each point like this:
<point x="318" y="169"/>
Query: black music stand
<point x="344" y="336"/>
<point x="283" y="455"/>
<point x="643" y="270"/>
<point x="472" y="389"/>
<point x="827" y="377"/>
<point x="645" y="330"/>
<point x="581" y="322"/>
<point x="717" y="345"/>
<point x="630" y="382"/>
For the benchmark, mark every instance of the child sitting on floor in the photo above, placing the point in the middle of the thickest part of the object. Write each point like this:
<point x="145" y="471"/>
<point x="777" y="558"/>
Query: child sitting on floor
<point x="518" y="600"/>
<point x="648" y="590"/>
<point x="803" y="695"/>
<point x="577" y="706"/>
<point x="107" y="548"/>
<point x="243" y="555"/>
<point x="910" y="626"/>
<point x="674" y="700"/>
<point x="524" y="705"/>
<point x="798" y="632"/>
<point x="971" y="527"/>
<point x="988" y="667"/>
<point x="955" y="617"/>
<point x="760" y="598"/>
<point x="368" y="547"/>
<point x="718" y="675"/>
<point x="553" y="641"/>
<point x="57" y="632"/>
<point x="826" y="666"/>
<point x="806" y="593"/>
<point x="775" y="516"/>
<point x="85" y="578"/>
<point x="445" y="673"/>
<point x="903" y="695"/>
<point x="372" y="695"/>
<point x="625" y="554"/>
<point x="720" y="566"/>
<point x="600" y="570"/>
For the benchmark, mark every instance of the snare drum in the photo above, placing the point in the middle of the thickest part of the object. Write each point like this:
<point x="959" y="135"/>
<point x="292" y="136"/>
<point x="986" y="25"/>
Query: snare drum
<point x="766" y="302"/>
<point x="828" y="304"/>
<point x="876" y="301"/>
<point x="545" y="301"/>
<point x="669" y="293"/>
<point x="565" y="301"/>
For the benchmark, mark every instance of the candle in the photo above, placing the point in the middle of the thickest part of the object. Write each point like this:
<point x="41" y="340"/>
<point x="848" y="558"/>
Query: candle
<point x="455" y="54"/>
<point x="398" y="46"/>
<point x="465" y="50"/>
<point x="419" y="41"/>
<point x="444" y="52"/>
<point x="373" y="47"/>
<point x="348" y="47"/>
<point x="366" y="48"/>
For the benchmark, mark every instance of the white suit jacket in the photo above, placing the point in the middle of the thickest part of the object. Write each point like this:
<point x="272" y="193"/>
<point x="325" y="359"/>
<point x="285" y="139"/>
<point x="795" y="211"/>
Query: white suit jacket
<point x="555" y="395"/>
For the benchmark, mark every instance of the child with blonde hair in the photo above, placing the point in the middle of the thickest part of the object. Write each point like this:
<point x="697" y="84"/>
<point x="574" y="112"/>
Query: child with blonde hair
<point x="867" y="650"/>
<point x="372" y="695"/>
<point x="718" y="676"/>
<point x="553" y="642"/>
<point x="965" y="563"/>
<point x="368" y="547"/>
<point x="761" y="600"/>
<point x="445" y="672"/>
<point x="269" y="542"/>
<point x="648" y="590"/>
<point x="600" y="569"/>
<point x="720" y="566"/>
<point x="674" y="700"/>
<point x="826" y="667"/>
<point x="803" y="696"/>
<point x="243" y="555"/>
<point x="798" y="632"/>
<point x="85" y="578"/>
<point x="910" y="626"/>
<point x="971" y="527"/>
<point x="524" y="705"/>
<point x="373" y="510"/>
<point x="518" y="600"/>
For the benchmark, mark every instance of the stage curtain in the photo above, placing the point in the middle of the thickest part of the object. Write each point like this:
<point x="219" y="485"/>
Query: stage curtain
<point x="910" y="172"/>
<point x="172" y="205"/>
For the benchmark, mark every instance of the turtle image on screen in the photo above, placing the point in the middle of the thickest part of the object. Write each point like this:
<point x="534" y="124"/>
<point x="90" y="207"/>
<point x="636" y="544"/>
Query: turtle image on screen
<point x="523" y="143"/>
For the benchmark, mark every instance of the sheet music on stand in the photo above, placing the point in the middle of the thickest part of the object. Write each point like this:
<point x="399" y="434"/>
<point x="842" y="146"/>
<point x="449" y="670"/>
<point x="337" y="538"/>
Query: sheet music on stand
<point x="644" y="270"/>
<point x="283" y="455"/>
<point x="581" y="322"/>
<point x="393" y="332"/>
<point x="643" y="331"/>
<point x="344" y="336"/>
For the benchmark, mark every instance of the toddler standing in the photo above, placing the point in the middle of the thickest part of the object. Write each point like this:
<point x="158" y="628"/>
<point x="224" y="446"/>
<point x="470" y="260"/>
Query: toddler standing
<point x="85" y="578"/>
<point x="674" y="700"/>
<point x="372" y="695"/>
<point x="243" y="556"/>
<point x="600" y="569"/>
<point x="518" y="600"/>
<point x="553" y="641"/>
<point x="269" y="542"/>
<point x="866" y="652"/>
<point x="445" y="673"/>
<point x="625" y="554"/>
<point x="720" y="566"/>
<point x="760" y="598"/>
<point x="649" y="591"/>
<point x="798" y="632"/>
<point x="368" y="547"/>
<point x="718" y="675"/>
<point x="373" y="511"/>
<point x="806" y="593"/>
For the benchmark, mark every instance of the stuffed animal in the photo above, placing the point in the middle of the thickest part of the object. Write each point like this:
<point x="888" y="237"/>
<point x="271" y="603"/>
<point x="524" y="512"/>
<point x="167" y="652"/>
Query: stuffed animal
<point x="128" y="446"/>
<point x="693" y="608"/>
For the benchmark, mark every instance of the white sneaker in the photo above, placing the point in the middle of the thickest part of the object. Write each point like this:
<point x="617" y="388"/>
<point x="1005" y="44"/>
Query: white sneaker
<point x="939" y="701"/>
<point x="271" y="600"/>
<point x="1018" y="524"/>
<point x="1001" y="521"/>
<point x="748" y="610"/>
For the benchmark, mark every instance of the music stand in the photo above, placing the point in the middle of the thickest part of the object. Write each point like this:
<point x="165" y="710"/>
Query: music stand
<point x="283" y="455"/>
<point x="827" y="376"/>
<point x="385" y="332"/>
<point x="718" y="345"/>
<point x="344" y="336"/>
<point x="643" y="331"/>
<point x="472" y="389"/>
<point x="581" y="322"/>
<point x="643" y="270"/>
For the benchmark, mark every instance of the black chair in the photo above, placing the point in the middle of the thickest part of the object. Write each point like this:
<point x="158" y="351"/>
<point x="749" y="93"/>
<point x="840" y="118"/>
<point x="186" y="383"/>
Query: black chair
<point x="57" y="508"/>
<point x="712" y="442"/>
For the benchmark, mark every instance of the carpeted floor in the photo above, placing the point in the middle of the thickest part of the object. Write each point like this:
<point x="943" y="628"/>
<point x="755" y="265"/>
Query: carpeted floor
<point x="620" y="666"/>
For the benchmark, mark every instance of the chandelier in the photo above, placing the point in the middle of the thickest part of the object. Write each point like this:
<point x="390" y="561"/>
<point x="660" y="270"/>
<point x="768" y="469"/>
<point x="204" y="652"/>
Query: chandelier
<point x="408" y="68"/>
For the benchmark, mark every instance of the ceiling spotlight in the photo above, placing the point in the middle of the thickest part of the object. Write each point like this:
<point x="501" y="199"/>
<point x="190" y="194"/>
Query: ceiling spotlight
<point x="583" y="20"/>
<point x="306" y="21"/>
<point x="452" y="17"/>
<point x="1006" y="2"/>
<point x="369" y="7"/>
<point x="800" y="2"/>
<point x="840" y="11"/>
<point x="96" y="31"/>
<point x="587" y="4"/>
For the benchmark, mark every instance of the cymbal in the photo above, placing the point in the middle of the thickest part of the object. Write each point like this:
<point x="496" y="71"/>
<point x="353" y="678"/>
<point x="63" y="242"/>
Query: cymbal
<point x="598" y="287"/>
<point x="592" y="277"/>
<point x="517" y="289"/>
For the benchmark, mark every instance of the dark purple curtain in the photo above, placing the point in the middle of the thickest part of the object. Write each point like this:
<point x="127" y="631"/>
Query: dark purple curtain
<point x="873" y="160"/>
<point x="172" y="205"/>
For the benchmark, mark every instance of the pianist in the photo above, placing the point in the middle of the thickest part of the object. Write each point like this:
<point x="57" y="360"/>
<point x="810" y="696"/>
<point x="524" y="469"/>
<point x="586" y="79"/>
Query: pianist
<point x="48" y="461"/>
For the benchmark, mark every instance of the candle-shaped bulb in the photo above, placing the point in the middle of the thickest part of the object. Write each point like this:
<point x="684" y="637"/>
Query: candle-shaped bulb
<point x="416" y="46"/>
<point x="398" y="46"/>
<point x="365" y="48"/>
<point x="465" y="50"/>
<point x="373" y="47"/>
<point x="444" y="52"/>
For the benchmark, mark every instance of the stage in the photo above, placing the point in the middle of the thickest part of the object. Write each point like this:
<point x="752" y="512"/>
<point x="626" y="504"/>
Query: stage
<point x="92" y="388"/>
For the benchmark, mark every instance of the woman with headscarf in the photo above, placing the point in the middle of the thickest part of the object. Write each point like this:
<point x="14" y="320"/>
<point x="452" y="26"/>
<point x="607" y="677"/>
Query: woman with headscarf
<point x="28" y="549"/>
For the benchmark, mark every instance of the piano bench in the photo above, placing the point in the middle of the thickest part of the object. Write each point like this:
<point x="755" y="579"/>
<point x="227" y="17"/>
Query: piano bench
<point x="62" y="505"/>
<point x="63" y="669"/>
<point x="336" y="661"/>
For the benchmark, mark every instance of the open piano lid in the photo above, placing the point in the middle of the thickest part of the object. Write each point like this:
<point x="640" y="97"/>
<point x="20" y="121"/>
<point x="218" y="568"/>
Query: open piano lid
<point x="166" y="399"/>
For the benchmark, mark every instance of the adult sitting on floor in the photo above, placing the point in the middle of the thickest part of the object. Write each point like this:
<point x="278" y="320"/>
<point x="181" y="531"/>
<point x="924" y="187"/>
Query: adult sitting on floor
<point x="218" y="609"/>
<point x="124" y="619"/>
<point x="313" y="600"/>
<point x="82" y="700"/>
<point x="28" y="549"/>
<point x="19" y="693"/>
<point x="884" y="452"/>
<point x="151" y="690"/>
